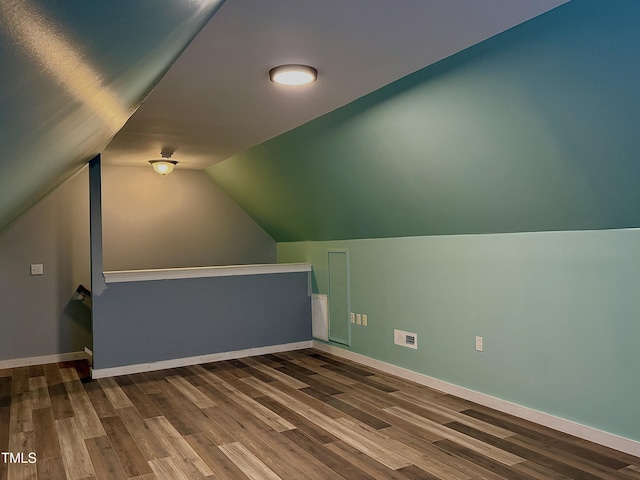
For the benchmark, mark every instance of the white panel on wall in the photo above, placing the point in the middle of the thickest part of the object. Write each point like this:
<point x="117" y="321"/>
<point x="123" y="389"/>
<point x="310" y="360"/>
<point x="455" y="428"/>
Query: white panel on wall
<point x="319" y="317"/>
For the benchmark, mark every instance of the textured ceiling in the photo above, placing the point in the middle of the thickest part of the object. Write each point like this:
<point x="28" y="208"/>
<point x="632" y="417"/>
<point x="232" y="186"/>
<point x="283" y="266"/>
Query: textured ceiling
<point x="216" y="99"/>
<point x="72" y="73"/>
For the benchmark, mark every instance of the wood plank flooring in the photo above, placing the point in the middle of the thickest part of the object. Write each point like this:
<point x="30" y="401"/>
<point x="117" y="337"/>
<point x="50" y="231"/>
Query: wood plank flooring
<point x="295" y="415"/>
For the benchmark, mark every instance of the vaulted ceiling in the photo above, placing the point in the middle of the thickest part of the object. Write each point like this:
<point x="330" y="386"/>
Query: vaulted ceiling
<point x="534" y="129"/>
<point x="73" y="73"/>
<point x="216" y="100"/>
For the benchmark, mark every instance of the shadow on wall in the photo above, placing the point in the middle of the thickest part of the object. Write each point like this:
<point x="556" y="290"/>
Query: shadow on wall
<point x="76" y="326"/>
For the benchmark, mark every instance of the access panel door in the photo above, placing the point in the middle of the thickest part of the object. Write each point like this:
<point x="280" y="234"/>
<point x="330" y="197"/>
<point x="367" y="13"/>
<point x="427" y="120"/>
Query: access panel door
<point x="339" y="326"/>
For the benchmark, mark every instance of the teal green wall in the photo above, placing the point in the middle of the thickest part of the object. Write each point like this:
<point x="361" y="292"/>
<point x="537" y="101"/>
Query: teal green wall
<point x="425" y="182"/>
<point x="532" y="130"/>
<point x="558" y="312"/>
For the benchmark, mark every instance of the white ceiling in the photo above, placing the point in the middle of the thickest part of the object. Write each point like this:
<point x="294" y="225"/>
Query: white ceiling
<point x="216" y="100"/>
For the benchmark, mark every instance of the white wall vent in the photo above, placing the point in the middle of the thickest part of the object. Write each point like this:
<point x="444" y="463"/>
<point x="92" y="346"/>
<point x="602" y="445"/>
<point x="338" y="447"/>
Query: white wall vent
<point x="406" y="339"/>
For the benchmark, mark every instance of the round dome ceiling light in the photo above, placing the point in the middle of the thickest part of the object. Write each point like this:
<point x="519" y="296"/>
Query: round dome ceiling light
<point x="164" y="166"/>
<point x="293" y="75"/>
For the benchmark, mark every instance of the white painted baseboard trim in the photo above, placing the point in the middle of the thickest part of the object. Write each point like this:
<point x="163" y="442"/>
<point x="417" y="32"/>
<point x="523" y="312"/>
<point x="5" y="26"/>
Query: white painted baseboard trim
<point x="183" y="362"/>
<point x="41" y="360"/>
<point x="607" y="439"/>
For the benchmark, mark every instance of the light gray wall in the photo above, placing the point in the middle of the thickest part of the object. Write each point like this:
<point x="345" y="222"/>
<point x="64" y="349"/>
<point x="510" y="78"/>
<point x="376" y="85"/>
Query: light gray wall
<point x="37" y="313"/>
<point x="180" y="220"/>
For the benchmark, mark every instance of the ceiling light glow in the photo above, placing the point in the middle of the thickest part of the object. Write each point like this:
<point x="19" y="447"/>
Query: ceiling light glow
<point x="164" y="166"/>
<point x="293" y="75"/>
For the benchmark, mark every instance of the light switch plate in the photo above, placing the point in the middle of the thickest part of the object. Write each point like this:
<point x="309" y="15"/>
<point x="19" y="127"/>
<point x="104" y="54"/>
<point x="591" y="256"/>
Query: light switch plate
<point x="37" y="269"/>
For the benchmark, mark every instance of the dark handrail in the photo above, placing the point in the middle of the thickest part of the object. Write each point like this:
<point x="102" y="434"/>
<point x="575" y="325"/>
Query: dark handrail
<point x="84" y="291"/>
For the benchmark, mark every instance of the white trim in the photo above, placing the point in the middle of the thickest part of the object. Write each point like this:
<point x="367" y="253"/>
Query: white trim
<point x="627" y="445"/>
<point x="183" y="362"/>
<point x="121" y="276"/>
<point x="41" y="360"/>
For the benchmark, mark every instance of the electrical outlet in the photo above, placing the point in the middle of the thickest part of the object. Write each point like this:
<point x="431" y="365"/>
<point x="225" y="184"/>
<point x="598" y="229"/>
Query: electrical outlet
<point x="405" y="339"/>
<point x="37" y="269"/>
<point x="479" y="344"/>
<point x="365" y="319"/>
<point x="358" y="319"/>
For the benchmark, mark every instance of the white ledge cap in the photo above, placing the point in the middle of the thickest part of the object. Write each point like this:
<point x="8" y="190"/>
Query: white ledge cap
<point x="121" y="276"/>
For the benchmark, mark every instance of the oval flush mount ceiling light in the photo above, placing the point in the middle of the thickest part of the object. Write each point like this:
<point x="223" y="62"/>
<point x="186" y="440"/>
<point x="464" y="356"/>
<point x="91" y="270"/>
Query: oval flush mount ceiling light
<point x="293" y="75"/>
<point x="164" y="166"/>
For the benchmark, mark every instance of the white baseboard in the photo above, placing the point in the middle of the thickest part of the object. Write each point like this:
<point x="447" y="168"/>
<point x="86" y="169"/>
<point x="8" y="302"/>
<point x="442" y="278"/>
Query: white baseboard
<point x="607" y="439"/>
<point x="41" y="360"/>
<point x="183" y="362"/>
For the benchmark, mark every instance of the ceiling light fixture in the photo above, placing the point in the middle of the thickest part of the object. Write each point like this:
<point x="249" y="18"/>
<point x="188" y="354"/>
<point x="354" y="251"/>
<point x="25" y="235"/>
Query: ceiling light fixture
<point x="293" y="75"/>
<point x="164" y="166"/>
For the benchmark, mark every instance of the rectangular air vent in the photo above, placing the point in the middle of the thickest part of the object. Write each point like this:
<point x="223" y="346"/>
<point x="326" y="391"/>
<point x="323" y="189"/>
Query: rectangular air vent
<point x="406" y="339"/>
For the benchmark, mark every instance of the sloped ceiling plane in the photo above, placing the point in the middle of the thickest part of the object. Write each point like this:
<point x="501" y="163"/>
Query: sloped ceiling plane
<point x="74" y="72"/>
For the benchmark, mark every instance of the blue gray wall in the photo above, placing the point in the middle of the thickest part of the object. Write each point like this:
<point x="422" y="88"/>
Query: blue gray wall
<point x="143" y="322"/>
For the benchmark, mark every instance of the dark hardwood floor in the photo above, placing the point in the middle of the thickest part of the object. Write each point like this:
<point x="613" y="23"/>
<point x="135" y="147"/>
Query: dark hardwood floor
<point x="293" y="415"/>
